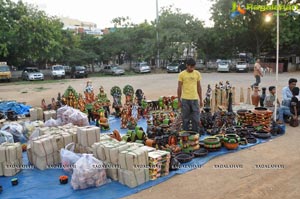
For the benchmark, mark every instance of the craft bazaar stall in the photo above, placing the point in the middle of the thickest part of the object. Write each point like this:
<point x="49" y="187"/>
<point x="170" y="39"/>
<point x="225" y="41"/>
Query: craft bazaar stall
<point x="82" y="145"/>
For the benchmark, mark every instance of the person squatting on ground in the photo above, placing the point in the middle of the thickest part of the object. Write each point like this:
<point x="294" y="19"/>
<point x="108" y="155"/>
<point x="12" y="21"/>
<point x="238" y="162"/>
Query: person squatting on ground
<point x="295" y="103"/>
<point x="287" y="96"/>
<point x="189" y="94"/>
<point x="269" y="103"/>
<point x="257" y="72"/>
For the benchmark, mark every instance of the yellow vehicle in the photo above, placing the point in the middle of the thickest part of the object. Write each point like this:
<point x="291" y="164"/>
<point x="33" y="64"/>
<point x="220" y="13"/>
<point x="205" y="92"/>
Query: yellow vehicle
<point x="5" y="73"/>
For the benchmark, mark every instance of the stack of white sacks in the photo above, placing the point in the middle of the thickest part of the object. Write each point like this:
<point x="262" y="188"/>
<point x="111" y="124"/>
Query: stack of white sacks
<point x="87" y="136"/>
<point x="43" y="150"/>
<point x="126" y="162"/>
<point x="10" y="158"/>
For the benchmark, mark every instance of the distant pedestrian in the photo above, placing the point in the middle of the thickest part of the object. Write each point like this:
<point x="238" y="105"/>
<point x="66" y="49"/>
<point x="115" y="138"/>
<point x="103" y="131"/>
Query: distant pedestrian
<point x="257" y="72"/>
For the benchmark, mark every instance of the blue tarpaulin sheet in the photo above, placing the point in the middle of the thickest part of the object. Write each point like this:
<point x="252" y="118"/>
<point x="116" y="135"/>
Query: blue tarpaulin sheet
<point x="19" y="108"/>
<point x="34" y="183"/>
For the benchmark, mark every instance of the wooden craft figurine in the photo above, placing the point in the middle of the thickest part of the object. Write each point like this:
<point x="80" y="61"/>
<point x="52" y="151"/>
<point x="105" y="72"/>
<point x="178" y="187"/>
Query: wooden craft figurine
<point x="116" y="93"/>
<point x="44" y="105"/>
<point x="208" y="96"/>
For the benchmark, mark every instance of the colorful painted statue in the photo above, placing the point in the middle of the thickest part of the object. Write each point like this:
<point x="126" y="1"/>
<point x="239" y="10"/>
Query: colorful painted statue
<point x="103" y="121"/>
<point x="139" y="95"/>
<point x="81" y="103"/>
<point x="175" y="104"/>
<point x="128" y="91"/>
<point x="116" y="93"/>
<point x="89" y="93"/>
<point x="102" y="101"/>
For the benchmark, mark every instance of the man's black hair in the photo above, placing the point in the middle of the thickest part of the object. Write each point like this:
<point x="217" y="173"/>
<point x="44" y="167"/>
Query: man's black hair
<point x="295" y="91"/>
<point x="292" y="80"/>
<point x="190" y="62"/>
<point x="271" y="88"/>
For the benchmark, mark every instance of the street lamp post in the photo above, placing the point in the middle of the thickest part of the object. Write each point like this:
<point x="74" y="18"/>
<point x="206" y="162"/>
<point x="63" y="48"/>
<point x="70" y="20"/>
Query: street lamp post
<point x="157" y="37"/>
<point x="277" y="58"/>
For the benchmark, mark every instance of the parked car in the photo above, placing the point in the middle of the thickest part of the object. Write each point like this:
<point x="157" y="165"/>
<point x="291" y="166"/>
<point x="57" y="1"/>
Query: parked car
<point x="79" y="71"/>
<point x="113" y="70"/>
<point x="173" y="68"/>
<point x="58" y="71"/>
<point x="32" y="73"/>
<point x="142" y="67"/>
<point x="241" y="66"/>
<point x="67" y="70"/>
<point x="5" y="73"/>
<point x="223" y="66"/>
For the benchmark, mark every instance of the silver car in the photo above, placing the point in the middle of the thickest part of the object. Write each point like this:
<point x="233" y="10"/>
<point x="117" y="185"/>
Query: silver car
<point x="223" y="66"/>
<point x="113" y="70"/>
<point x="142" y="67"/>
<point x="173" y="68"/>
<point x="242" y="66"/>
<point x="31" y="73"/>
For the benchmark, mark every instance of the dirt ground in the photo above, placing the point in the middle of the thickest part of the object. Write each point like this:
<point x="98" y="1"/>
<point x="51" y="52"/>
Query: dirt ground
<point x="251" y="180"/>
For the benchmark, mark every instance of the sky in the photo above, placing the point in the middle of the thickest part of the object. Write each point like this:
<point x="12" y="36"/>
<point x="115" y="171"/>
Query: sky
<point x="102" y="12"/>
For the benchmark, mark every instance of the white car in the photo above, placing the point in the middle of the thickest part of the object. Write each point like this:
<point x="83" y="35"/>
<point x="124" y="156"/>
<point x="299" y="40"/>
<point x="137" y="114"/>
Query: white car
<point x="241" y="66"/>
<point x="58" y="71"/>
<point x="113" y="70"/>
<point x="142" y="67"/>
<point x="31" y="73"/>
<point x="223" y="66"/>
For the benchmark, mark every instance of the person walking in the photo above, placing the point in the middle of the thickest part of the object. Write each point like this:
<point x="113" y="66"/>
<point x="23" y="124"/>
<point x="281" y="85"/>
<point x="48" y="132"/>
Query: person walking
<point x="257" y="72"/>
<point x="189" y="94"/>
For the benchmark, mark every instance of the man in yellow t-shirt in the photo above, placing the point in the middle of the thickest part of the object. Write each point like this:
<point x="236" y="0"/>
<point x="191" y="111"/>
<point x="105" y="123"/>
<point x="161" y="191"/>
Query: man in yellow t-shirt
<point x="189" y="94"/>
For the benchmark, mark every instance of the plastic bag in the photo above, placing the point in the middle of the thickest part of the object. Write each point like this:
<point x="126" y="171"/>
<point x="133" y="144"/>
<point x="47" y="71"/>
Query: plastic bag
<point x="88" y="172"/>
<point x="79" y="118"/>
<point x="51" y="122"/>
<point x="68" y="157"/>
<point x="15" y="129"/>
<point x="6" y="137"/>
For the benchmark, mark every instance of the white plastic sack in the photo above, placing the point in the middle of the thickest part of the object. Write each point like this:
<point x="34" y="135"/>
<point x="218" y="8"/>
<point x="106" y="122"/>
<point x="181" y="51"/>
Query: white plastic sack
<point x="68" y="157"/>
<point x="15" y="129"/>
<point x="51" y="122"/>
<point x="88" y="172"/>
<point x="6" y="137"/>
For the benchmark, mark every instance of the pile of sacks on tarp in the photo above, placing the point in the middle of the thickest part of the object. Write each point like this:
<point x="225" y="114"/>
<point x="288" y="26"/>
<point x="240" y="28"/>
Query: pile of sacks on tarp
<point x="18" y="108"/>
<point x="10" y="158"/>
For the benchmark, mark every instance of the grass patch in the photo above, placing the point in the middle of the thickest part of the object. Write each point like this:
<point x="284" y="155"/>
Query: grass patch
<point x="62" y="81"/>
<point x="39" y="89"/>
<point x="24" y="92"/>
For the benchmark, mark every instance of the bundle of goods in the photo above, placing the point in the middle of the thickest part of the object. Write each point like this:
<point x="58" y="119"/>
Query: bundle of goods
<point x="68" y="114"/>
<point x="88" y="172"/>
<point x="189" y="141"/>
<point x="36" y="114"/>
<point x="159" y="163"/>
<point x="212" y="143"/>
<point x="49" y="114"/>
<point x="10" y="159"/>
<point x="231" y="141"/>
<point x="134" y="167"/>
<point x="42" y="151"/>
<point x="87" y="136"/>
<point x="108" y="151"/>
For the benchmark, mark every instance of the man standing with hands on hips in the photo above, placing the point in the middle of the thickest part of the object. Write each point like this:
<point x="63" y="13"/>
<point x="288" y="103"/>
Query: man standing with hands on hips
<point x="189" y="94"/>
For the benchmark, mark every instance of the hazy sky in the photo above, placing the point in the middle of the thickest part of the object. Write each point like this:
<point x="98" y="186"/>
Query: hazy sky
<point x="102" y="12"/>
